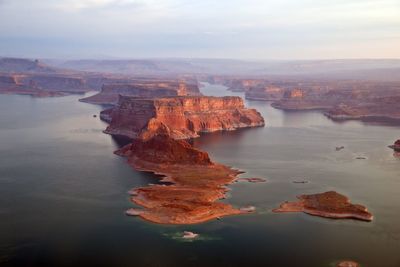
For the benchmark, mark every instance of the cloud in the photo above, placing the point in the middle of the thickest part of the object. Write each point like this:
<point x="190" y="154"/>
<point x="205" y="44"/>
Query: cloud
<point x="235" y="28"/>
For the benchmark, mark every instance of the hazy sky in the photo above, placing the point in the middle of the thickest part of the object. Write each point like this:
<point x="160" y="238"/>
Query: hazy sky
<point x="254" y="29"/>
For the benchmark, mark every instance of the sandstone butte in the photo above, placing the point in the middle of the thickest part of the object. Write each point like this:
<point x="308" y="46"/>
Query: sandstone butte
<point x="182" y="117"/>
<point x="329" y="204"/>
<point x="157" y="127"/>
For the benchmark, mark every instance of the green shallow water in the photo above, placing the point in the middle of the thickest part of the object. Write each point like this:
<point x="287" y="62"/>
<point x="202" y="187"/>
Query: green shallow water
<point x="63" y="192"/>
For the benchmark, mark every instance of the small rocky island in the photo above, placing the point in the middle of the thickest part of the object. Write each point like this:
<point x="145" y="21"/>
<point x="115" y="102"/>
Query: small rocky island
<point x="329" y="204"/>
<point x="396" y="146"/>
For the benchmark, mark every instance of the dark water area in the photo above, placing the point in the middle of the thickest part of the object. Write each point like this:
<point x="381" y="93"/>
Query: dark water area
<point x="63" y="192"/>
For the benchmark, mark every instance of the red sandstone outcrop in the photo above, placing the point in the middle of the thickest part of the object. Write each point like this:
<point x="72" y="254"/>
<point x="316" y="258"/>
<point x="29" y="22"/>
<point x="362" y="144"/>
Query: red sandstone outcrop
<point x="329" y="204"/>
<point x="181" y="117"/>
<point x="142" y="88"/>
<point x="197" y="182"/>
<point x="396" y="146"/>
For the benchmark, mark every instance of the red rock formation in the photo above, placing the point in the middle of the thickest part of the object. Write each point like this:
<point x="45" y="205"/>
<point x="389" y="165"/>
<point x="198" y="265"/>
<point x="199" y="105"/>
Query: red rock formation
<point x="13" y="84"/>
<point x="329" y="204"/>
<point x="197" y="182"/>
<point x="396" y="146"/>
<point x="376" y="109"/>
<point x="141" y="88"/>
<point x="56" y="83"/>
<point x="182" y="117"/>
<point x="267" y="93"/>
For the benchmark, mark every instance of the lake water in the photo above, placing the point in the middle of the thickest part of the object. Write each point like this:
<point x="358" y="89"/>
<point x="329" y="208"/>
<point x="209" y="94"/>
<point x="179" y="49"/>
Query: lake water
<point x="63" y="192"/>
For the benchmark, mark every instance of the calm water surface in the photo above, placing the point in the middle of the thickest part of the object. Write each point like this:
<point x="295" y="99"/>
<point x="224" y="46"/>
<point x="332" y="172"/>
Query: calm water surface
<point x="63" y="192"/>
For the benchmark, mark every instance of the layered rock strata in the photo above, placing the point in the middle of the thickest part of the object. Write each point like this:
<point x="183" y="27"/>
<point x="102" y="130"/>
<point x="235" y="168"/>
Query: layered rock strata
<point x="182" y="117"/>
<point x="329" y="204"/>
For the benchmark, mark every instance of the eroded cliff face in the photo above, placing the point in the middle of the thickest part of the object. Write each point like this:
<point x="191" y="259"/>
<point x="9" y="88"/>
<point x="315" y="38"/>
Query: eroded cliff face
<point x="145" y="89"/>
<point x="181" y="117"/>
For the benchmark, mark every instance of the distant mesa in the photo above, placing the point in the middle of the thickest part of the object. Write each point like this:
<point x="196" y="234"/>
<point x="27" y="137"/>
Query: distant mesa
<point x="329" y="204"/>
<point x="347" y="99"/>
<point x="144" y="88"/>
<point x="16" y="65"/>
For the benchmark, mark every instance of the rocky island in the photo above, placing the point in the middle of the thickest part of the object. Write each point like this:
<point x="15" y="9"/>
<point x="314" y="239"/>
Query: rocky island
<point x="329" y="204"/>
<point x="396" y="146"/>
<point x="157" y="127"/>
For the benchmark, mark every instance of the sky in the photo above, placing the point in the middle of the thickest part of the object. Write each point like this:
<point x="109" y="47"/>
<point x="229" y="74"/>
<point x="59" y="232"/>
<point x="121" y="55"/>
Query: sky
<point x="238" y="29"/>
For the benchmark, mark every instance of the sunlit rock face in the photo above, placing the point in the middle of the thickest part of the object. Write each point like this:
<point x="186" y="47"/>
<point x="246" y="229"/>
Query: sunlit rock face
<point x="181" y="117"/>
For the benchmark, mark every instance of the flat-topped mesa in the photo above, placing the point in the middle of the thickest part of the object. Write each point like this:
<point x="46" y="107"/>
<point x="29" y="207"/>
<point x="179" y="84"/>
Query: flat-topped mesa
<point x="197" y="182"/>
<point x="24" y="65"/>
<point x="56" y="83"/>
<point x="180" y="117"/>
<point x="265" y="92"/>
<point x="142" y="88"/>
<point x="329" y="204"/>
<point x="379" y="109"/>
